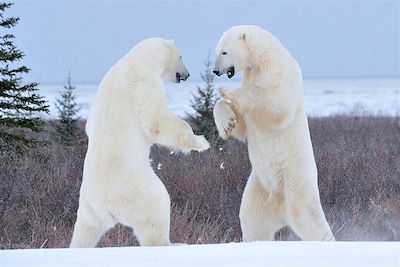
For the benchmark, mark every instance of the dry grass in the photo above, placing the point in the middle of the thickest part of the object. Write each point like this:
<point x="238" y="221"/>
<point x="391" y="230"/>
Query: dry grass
<point x="358" y="160"/>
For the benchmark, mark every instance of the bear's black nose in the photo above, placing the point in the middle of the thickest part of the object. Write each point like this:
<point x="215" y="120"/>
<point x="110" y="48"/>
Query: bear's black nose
<point x="216" y="72"/>
<point x="185" y="76"/>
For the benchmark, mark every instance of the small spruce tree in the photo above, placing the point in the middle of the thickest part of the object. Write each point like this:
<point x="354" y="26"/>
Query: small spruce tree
<point x="20" y="104"/>
<point x="66" y="127"/>
<point x="203" y="103"/>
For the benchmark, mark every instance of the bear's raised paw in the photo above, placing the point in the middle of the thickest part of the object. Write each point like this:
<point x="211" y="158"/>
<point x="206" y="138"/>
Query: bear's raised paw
<point x="225" y="118"/>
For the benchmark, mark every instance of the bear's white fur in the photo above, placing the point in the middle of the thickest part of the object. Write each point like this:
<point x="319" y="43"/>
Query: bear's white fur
<point x="128" y="116"/>
<point x="267" y="111"/>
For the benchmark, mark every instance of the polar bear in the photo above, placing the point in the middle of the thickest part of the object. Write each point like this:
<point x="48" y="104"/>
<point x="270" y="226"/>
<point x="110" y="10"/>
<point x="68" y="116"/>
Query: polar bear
<point x="267" y="111"/>
<point x="128" y="116"/>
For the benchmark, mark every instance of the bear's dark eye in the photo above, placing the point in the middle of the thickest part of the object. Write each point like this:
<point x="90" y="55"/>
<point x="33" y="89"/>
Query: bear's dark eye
<point x="224" y="53"/>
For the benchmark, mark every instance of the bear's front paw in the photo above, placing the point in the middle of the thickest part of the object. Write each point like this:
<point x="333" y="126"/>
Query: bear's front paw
<point x="225" y="118"/>
<point x="201" y="144"/>
<point x="228" y="125"/>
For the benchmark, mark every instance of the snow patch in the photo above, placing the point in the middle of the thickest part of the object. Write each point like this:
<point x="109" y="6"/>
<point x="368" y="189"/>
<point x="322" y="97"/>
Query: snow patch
<point x="159" y="166"/>
<point x="321" y="97"/>
<point x="311" y="254"/>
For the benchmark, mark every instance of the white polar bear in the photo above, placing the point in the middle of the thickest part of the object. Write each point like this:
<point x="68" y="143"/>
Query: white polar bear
<point x="128" y="116"/>
<point x="268" y="111"/>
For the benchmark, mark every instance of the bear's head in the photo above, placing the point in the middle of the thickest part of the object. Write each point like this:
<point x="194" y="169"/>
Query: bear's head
<point x="235" y="48"/>
<point x="175" y="70"/>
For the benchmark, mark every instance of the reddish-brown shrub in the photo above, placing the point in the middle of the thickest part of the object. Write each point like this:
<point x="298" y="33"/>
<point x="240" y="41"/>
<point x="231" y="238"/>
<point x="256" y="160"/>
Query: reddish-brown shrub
<point x="358" y="162"/>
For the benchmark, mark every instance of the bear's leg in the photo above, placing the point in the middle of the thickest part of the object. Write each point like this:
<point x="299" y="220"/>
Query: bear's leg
<point x="260" y="212"/>
<point x="152" y="224"/>
<point x="88" y="228"/>
<point x="153" y="231"/>
<point x="306" y="217"/>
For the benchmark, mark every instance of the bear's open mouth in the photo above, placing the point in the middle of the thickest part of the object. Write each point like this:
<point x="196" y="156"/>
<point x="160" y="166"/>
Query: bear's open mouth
<point x="230" y="72"/>
<point x="178" y="77"/>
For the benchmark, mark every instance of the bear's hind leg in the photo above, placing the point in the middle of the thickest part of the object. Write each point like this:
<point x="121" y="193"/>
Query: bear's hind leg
<point x="306" y="217"/>
<point x="151" y="220"/>
<point x="88" y="228"/>
<point x="153" y="233"/>
<point x="260" y="212"/>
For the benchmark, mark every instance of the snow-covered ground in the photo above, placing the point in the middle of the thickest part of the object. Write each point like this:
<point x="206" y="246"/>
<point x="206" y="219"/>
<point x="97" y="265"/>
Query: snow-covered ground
<point x="311" y="254"/>
<point x="322" y="97"/>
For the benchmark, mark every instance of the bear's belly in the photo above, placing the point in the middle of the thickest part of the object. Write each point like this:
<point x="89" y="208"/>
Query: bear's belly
<point x="271" y="155"/>
<point x="282" y="156"/>
<point x="266" y="161"/>
<point x="115" y="162"/>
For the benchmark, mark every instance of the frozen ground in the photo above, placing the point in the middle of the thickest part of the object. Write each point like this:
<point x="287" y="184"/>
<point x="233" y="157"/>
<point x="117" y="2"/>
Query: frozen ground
<point x="322" y="97"/>
<point x="311" y="254"/>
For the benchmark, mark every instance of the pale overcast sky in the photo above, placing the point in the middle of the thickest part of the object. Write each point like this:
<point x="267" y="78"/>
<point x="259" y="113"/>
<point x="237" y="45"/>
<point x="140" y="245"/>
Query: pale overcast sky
<point x="332" y="39"/>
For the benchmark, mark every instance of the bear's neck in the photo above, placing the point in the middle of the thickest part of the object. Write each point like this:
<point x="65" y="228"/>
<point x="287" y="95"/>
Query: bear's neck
<point x="154" y="64"/>
<point x="264" y="65"/>
<point x="260" y="74"/>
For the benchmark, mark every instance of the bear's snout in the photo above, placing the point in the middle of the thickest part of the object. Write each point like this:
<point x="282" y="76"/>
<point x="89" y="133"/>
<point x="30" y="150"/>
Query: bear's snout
<point x="184" y="76"/>
<point x="181" y="76"/>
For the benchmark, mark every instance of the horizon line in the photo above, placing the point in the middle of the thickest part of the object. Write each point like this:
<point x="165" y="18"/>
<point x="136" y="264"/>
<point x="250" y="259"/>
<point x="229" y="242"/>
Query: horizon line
<point x="199" y="79"/>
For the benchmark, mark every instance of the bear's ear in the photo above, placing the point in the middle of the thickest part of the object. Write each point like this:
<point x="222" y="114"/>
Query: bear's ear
<point x="243" y="37"/>
<point x="170" y="42"/>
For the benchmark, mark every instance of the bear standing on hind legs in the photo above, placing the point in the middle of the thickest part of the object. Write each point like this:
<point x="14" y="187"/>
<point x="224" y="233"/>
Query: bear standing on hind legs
<point x="268" y="111"/>
<point x="128" y="116"/>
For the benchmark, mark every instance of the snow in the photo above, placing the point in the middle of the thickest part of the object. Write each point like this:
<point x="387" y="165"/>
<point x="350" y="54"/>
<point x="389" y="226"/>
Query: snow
<point x="321" y="97"/>
<point x="159" y="166"/>
<point x="326" y="97"/>
<point x="326" y="254"/>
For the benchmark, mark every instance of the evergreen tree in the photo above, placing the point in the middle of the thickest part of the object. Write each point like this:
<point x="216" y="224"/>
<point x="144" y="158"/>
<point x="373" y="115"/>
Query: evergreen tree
<point x="20" y="104"/>
<point x="67" y="108"/>
<point x="203" y="104"/>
